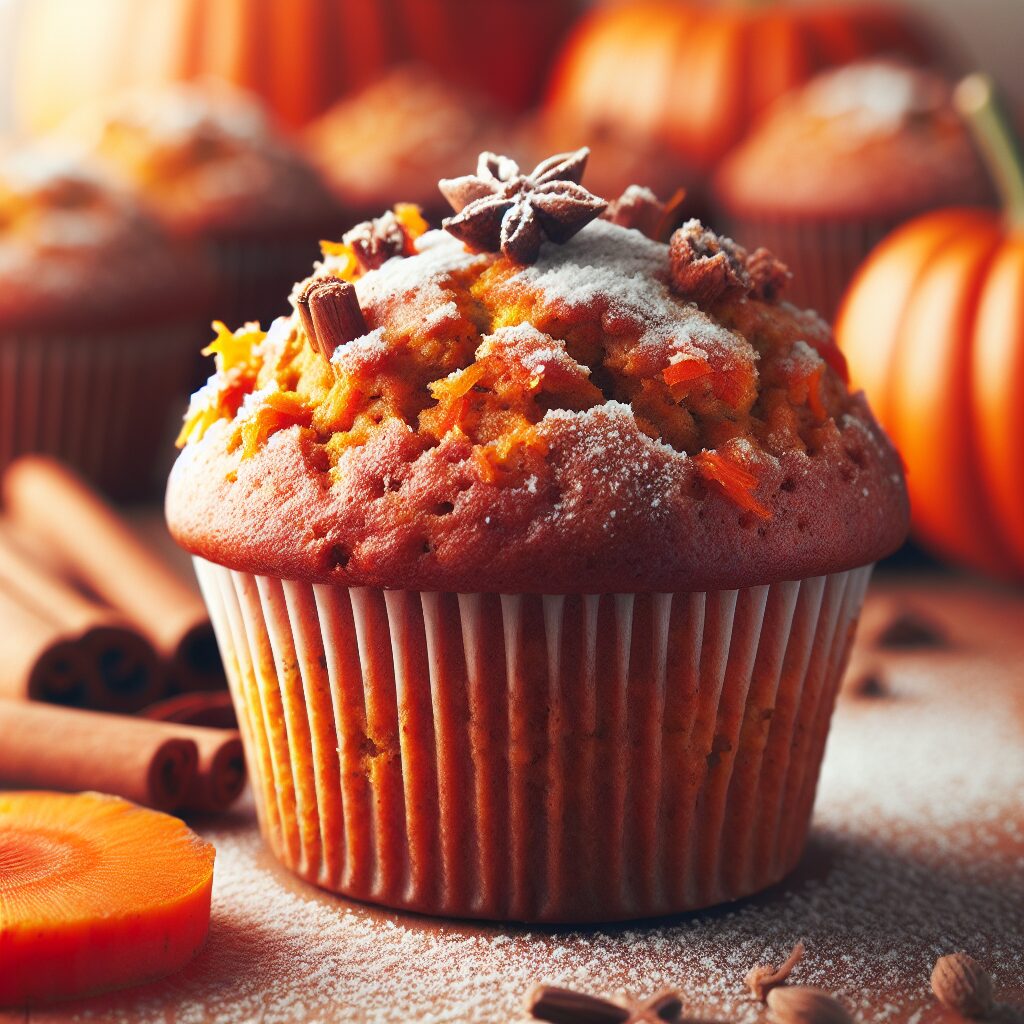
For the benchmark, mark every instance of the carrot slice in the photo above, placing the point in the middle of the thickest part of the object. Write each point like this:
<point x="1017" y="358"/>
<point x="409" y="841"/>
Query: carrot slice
<point x="95" y="894"/>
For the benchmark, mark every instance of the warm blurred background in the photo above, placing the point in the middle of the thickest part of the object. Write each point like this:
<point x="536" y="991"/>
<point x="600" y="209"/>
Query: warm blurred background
<point x="171" y="163"/>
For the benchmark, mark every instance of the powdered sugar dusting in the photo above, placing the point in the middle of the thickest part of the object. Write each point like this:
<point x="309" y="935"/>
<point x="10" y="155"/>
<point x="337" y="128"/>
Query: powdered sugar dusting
<point x="626" y="274"/>
<point x="918" y="850"/>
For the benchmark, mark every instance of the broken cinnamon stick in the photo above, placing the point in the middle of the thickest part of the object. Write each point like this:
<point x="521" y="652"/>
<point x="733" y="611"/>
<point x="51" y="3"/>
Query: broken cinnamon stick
<point x="330" y="314"/>
<point x="38" y="659"/>
<point x="102" y="553"/>
<point x="220" y="772"/>
<point x="46" y="747"/>
<point x="127" y="673"/>
<point x="213" y="709"/>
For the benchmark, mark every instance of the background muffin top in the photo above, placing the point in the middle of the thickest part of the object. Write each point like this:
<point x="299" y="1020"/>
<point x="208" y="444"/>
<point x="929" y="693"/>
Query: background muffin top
<point x="206" y="158"/>
<point x="874" y="137"/>
<point x="610" y="413"/>
<point x="395" y="138"/>
<point x="77" y="250"/>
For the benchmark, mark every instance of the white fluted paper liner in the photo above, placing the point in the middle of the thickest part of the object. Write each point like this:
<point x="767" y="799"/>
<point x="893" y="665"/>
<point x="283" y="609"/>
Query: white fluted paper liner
<point x="530" y="757"/>
<point x="105" y="402"/>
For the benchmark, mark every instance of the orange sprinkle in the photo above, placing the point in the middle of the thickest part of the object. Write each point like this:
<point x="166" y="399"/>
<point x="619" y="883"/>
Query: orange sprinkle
<point x="735" y="482"/>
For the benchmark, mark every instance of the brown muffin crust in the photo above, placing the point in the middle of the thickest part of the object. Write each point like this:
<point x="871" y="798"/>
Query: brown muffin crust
<point x="77" y="251"/>
<point x="874" y="138"/>
<point x="577" y="425"/>
<point x="207" y="160"/>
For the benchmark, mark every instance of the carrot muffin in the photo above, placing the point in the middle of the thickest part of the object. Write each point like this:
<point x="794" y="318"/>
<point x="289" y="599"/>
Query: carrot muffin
<point x="840" y="163"/>
<point x="99" y="315"/>
<point x="535" y="549"/>
<point x="208" y="162"/>
<point x="392" y="141"/>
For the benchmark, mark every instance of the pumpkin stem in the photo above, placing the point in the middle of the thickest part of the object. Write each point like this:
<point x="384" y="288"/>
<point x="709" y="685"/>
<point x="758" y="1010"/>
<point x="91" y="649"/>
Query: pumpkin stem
<point x="977" y="100"/>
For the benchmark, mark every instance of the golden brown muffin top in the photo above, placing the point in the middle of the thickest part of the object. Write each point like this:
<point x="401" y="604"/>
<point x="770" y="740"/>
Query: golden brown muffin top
<point x="78" y="251"/>
<point x="874" y="137"/>
<point x="206" y="158"/>
<point x="617" y="414"/>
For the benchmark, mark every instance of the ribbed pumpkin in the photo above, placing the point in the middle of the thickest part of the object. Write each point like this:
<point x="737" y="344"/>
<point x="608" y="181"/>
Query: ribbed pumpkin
<point x="299" y="55"/>
<point x="933" y="328"/>
<point x="694" y="76"/>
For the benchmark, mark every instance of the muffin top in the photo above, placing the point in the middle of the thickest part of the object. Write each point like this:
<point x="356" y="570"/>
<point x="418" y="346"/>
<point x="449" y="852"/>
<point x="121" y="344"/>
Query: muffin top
<point x="536" y="400"/>
<point x="393" y="140"/>
<point x="78" y="251"/>
<point x="872" y="138"/>
<point x="206" y="158"/>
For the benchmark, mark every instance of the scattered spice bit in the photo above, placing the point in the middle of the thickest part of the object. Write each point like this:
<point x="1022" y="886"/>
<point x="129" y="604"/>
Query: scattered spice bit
<point x="500" y="209"/>
<point x="376" y="241"/>
<point x="961" y="984"/>
<point x="798" y="1004"/>
<point x="330" y="314"/>
<point x="868" y="682"/>
<point x="912" y="629"/>
<point x="564" y="1006"/>
<point x="706" y="267"/>
<point x="736" y="483"/>
<point x="637" y="208"/>
<point x="768" y="275"/>
<point x="762" y="978"/>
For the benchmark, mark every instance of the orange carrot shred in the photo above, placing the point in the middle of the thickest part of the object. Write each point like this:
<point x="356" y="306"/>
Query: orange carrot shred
<point x="684" y="371"/>
<point x="735" y="482"/>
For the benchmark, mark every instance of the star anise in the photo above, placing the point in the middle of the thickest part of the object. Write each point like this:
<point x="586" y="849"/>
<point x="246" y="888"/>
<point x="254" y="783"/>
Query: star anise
<point x="500" y="208"/>
<point x="564" y="1006"/>
<point x="376" y="241"/>
<point x="639" y="208"/>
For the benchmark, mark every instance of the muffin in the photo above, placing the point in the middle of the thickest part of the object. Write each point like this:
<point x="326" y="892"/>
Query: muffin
<point x="838" y="164"/>
<point x="207" y="161"/>
<point x="535" y="549"/>
<point x="99" y="315"/>
<point x="393" y="140"/>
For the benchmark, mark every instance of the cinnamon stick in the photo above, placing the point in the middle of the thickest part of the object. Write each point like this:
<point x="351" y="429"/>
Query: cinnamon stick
<point x="127" y="674"/>
<point x="213" y="709"/>
<point x="38" y="659"/>
<point x="47" y="747"/>
<point x="220" y="772"/>
<point x="330" y="313"/>
<point x="102" y="553"/>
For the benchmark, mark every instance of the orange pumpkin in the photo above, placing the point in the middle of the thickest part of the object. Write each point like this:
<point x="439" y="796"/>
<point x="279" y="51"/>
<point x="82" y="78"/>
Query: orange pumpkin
<point x="693" y="77"/>
<point x="933" y="328"/>
<point x="299" y="55"/>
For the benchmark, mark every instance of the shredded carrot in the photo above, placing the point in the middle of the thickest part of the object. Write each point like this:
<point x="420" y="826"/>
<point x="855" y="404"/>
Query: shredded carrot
<point x="685" y="370"/>
<point x="281" y="409"/>
<point x="814" y="393"/>
<point x="735" y="482"/>
<point x="411" y="218"/>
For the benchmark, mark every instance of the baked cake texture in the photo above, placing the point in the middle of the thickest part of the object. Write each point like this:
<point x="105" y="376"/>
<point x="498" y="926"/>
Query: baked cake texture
<point x="619" y="415"/>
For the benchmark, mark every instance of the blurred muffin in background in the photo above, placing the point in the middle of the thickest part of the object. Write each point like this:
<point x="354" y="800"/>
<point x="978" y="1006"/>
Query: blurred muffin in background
<point x="208" y="162"/>
<point x="839" y="163"/>
<point x="100" y="310"/>
<point x="394" y="140"/>
<point x="618" y="161"/>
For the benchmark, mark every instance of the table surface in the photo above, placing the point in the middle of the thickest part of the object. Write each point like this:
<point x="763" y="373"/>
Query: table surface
<point x="917" y="850"/>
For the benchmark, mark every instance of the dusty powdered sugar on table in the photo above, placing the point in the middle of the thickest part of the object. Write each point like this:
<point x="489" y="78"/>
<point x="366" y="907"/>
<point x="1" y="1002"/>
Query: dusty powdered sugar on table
<point x="917" y="850"/>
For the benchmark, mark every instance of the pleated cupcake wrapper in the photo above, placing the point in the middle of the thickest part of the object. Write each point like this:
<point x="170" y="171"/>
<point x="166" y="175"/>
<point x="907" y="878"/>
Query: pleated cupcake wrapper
<point x="823" y="255"/>
<point x="528" y="757"/>
<point x="105" y="402"/>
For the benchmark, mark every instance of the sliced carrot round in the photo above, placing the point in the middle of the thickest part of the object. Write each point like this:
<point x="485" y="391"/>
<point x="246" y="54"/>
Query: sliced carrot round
<point x="95" y="893"/>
